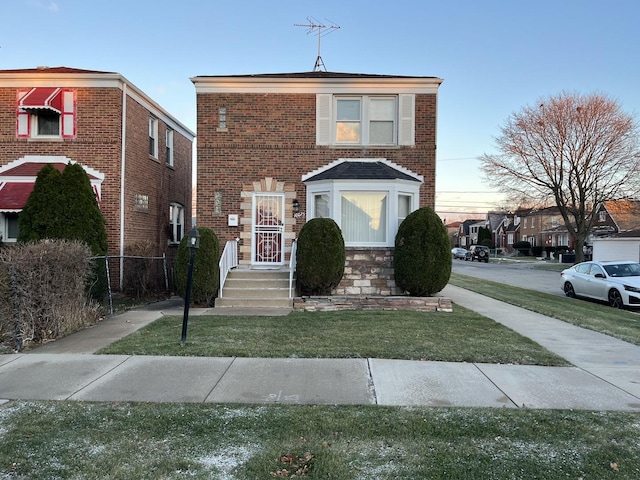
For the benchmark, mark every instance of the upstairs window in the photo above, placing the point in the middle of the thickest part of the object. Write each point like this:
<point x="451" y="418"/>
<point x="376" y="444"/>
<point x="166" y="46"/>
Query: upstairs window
<point x="153" y="137"/>
<point x="46" y="113"/>
<point x="169" y="147"/>
<point x="359" y="120"/>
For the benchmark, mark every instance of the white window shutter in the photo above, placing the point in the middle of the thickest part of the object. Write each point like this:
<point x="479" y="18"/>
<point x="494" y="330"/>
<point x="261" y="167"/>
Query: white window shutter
<point x="68" y="114"/>
<point x="407" y="114"/>
<point x="22" y="129"/>
<point x="323" y="119"/>
<point x="22" y="118"/>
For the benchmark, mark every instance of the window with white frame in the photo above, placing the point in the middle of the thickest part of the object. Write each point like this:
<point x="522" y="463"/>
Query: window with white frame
<point x="176" y="222"/>
<point x="404" y="206"/>
<point x="10" y="226"/>
<point x="153" y="137"/>
<point x="357" y="120"/>
<point x="46" y="113"/>
<point x="321" y="205"/>
<point x="602" y="216"/>
<point x="169" y="142"/>
<point x="510" y="239"/>
<point x="367" y="211"/>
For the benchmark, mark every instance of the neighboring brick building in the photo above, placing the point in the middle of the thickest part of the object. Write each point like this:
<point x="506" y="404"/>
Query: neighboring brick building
<point x="138" y="156"/>
<point x="277" y="149"/>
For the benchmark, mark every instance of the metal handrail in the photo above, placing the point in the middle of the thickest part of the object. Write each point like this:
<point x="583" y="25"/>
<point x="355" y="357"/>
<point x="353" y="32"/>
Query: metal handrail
<point x="292" y="266"/>
<point x="228" y="260"/>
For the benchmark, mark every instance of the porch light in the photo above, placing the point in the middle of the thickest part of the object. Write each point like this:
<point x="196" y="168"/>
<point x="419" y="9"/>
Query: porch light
<point x="296" y="205"/>
<point x="194" y="238"/>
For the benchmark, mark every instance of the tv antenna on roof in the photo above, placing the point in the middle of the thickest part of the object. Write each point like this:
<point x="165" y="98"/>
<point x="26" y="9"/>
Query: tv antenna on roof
<point x="311" y="26"/>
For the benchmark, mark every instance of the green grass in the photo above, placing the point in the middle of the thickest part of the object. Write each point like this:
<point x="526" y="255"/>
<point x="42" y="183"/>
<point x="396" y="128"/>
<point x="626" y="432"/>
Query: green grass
<point x="461" y="336"/>
<point x="75" y="440"/>
<point x="621" y="324"/>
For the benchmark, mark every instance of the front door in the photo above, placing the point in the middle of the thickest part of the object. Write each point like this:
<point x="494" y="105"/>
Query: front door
<point x="267" y="244"/>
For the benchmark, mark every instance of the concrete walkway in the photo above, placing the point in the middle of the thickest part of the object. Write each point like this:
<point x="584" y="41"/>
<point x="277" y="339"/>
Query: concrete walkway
<point x="605" y="374"/>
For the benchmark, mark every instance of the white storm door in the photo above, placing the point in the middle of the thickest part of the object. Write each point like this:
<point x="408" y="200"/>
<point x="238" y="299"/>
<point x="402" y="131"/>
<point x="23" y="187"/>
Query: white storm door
<point x="267" y="239"/>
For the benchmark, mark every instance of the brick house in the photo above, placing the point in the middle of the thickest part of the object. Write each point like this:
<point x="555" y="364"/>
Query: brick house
<point x="617" y="216"/>
<point x="468" y="232"/>
<point x="507" y="234"/>
<point x="138" y="156"/>
<point x="544" y="227"/>
<point x="275" y="150"/>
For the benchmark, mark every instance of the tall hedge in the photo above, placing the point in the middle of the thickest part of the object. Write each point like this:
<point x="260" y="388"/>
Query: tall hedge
<point x="64" y="206"/>
<point x="320" y="256"/>
<point x="422" y="257"/>
<point x="42" y="215"/>
<point x="206" y="272"/>
<point x="83" y="218"/>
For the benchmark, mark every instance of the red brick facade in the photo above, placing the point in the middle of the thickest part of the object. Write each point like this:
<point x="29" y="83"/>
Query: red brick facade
<point x="101" y="99"/>
<point x="269" y="140"/>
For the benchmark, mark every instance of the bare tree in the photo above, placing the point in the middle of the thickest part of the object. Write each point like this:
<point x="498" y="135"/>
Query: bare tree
<point x="573" y="151"/>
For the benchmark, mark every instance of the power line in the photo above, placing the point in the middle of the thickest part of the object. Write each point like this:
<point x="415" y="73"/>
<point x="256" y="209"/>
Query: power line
<point x="465" y="191"/>
<point x="456" y="159"/>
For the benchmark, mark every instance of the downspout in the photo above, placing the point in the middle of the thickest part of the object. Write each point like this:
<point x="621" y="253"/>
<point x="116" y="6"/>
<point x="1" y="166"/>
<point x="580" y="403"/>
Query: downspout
<point x="123" y="161"/>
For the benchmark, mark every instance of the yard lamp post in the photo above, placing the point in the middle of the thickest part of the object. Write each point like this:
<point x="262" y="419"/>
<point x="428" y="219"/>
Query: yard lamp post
<point x="194" y="244"/>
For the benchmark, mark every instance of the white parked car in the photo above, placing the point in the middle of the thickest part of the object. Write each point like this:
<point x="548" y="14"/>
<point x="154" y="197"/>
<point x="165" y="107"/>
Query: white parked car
<point x="614" y="282"/>
<point x="460" y="253"/>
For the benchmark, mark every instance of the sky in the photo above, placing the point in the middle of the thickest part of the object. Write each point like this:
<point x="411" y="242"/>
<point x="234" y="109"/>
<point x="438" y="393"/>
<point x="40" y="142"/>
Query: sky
<point x="495" y="56"/>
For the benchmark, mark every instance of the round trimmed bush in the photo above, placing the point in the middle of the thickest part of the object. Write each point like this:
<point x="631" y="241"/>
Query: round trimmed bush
<point x="320" y="257"/>
<point x="206" y="273"/>
<point x="422" y="258"/>
<point x="523" y="247"/>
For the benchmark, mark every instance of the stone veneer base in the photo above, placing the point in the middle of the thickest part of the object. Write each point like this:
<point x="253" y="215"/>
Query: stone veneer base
<point x="362" y="302"/>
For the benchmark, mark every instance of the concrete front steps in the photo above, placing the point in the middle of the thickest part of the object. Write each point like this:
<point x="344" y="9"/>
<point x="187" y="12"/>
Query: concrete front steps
<point x="256" y="288"/>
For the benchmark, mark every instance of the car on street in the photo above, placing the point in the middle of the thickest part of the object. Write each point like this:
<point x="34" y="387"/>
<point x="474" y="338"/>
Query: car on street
<point x="479" y="253"/>
<point x="614" y="282"/>
<point x="460" y="253"/>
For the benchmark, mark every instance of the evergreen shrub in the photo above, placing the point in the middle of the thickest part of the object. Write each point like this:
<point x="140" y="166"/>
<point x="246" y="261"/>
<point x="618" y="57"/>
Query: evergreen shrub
<point x="64" y="206"/>
<point x="422" y="258"/>
<point x="537" y="251"/>
<point x="320" y="257"/>
<point x="206" y="272"/>
<point x="523" y="247"/>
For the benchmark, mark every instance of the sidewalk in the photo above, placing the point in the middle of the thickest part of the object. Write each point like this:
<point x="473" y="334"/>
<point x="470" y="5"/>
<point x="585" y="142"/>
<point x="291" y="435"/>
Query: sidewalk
<point x="605" y="374"/>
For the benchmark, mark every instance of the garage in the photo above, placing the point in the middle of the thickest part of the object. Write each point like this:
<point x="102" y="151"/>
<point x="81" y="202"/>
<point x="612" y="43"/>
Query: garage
<point x="621" y="247"/>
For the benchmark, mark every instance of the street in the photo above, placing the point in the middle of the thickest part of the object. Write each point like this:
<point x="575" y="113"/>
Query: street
<point x="522" y="275"/>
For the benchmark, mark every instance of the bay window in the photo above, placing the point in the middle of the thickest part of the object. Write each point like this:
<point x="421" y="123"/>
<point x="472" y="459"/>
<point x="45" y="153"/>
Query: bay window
<point x="363" y="217"/>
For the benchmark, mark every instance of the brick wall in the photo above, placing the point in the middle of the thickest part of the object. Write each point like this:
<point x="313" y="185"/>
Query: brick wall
<point x="274" y="135"/>
<point x="368" y="271"/>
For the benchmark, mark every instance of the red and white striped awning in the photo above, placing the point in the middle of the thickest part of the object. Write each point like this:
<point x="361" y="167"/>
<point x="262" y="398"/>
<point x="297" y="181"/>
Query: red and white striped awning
<point x="42" y="98"/>
<point x="14" y="195"/>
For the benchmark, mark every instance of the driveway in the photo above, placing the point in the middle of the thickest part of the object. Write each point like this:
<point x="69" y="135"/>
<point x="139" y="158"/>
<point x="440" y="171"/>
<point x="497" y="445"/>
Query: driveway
<point x="522" y="275"/>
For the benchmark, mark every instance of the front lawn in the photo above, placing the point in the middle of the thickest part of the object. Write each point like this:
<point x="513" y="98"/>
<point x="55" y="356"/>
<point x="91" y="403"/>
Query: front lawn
<point x="77" y="440"/>
<point x="460" y="336"/>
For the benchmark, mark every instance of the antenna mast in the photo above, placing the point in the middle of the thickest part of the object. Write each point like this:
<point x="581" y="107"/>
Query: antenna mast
<point x="311" y="26"/>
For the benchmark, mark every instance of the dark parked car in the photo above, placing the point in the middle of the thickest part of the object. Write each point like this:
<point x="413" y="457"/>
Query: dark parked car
<point x="479" y="253"/>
